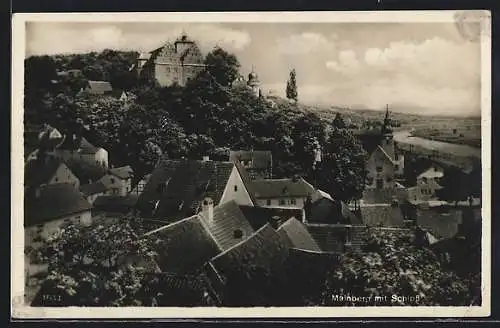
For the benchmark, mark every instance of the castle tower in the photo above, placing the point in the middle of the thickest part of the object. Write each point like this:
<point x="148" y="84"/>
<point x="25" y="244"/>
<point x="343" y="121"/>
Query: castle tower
<point x="254" y="83"/>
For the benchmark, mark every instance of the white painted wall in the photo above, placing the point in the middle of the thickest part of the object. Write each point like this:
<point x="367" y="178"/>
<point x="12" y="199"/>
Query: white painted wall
<point x="240" y="195"/>
<point x="49" y="228"/>
<point x="286" y="202"/>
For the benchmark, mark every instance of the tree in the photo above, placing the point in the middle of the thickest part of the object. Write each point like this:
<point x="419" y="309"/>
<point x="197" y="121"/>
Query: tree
<point x="341" y="172"/>
<point x="291" y="86"/>
<point x="88" y="265"/>
<point x="223" y="66"/>
<point x="391" y="264"/>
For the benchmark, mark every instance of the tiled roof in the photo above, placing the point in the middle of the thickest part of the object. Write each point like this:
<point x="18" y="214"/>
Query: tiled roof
<point x="93" y="188"/>
<point x="113" y="203"/>
<point x="329" y="238"/>
<point x="124" y="172"/>
<point x="265" y="248"/>
<point x="441" y="225"/>
<point x="40" y="171"/>
<point x="260" y="216"/>
<point x="381" y="215"/>
<point x="184" y="246"/>
<point x="297" y="235"/>
<point x="177" y="187"/>
<point x="84" y="171"/>
<point x="327" y="211"/>
<point x="261" y="159"/>
<point x="276" y="188"/>
<point x="431" y="173"/>
<point x="99" y="87"/>
<point x="227" y="218"/>
<point x="54" y="201"/>
<point x="75" y="143"/>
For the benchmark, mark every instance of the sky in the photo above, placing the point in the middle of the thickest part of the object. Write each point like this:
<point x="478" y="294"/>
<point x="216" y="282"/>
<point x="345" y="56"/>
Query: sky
<point x="418" y="68"/>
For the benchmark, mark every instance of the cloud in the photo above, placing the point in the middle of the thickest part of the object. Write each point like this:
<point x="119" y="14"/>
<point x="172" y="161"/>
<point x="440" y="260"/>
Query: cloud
<point x="54" y="38"/>
<point x="303" y="43"/>
<point x="347" y="63"/>
<point x="438" y="62"/>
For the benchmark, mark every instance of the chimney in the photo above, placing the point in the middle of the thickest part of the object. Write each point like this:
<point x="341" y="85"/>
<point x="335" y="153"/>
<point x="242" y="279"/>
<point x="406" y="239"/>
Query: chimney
<point x="205" y="159"/>
<point x="207" y="208"/>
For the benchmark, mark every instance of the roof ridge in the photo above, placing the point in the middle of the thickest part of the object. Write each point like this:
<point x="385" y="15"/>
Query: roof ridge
<point x="243" y="241"/>
<point x="169" y="225"/>
<point x="207" y="229"/>
<point x="385" y="153"/>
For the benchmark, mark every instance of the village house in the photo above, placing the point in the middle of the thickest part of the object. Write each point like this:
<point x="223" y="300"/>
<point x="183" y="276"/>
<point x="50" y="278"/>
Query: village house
<point x="258" y="163"/>
<point x="46" y="171"/>
<point x="174" y="63"/>
<point x="39" y="138"/>
<point x="93" y="190"/>
<point x="79" y="149"/>
<point x="49" y="207"/>
<point x="98" y="88"/>
<point x="118" y="181"/>
<point x="288" y="192"/>
<point x="177" y="188"/>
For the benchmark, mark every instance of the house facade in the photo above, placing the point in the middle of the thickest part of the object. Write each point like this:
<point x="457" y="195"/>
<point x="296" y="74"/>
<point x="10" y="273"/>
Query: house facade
<point x="47" y="208"/>
<point x="79" y="149"/>
<point x="291" y="193"/>
<point x="48" y="171"/>
<point x="118" y="181"/>
<point x="175" y="63"/>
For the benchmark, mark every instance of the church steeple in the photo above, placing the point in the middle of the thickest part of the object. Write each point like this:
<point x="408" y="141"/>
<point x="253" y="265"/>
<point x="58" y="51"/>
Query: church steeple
<point x="387" y="128"/>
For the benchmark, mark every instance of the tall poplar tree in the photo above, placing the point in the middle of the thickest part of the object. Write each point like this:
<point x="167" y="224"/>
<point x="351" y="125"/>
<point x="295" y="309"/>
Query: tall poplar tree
<point x="291" y="86"/>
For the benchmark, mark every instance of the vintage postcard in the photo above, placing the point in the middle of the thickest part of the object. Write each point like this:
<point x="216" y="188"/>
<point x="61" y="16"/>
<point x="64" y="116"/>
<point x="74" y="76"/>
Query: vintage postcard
<point x="234" y="165"/>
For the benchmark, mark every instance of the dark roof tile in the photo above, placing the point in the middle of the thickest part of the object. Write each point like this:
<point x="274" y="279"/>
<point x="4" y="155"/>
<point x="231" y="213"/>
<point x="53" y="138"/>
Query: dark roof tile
<point x="54" y="201"/>
<point x="93" y="188"/>
<point x="260" y="216"/>
<point x="227" y="219"/>
<point x="261" y="159"/>
<point x="124" y="172"/>
<point x="40" y="171"/>
<point x="275" y="188"/>
<point x="184" y="246"/>
<point x="298" y="236"/>
<point x="177" y="187"/>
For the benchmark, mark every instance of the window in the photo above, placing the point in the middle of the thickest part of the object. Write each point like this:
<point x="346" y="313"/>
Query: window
<point x="268" y="202"/>
<point x="282" y="202"/>
<point x="235" y="188"/>
<point x="115" y="191"/>
<point x="379" y="169"/>
<point x="57" y="179"/>
<point x="380" y="183"/>
<point x="396" y="167"/>
<point x="292" y="201"/>
<point x="389" y="178"/>
<point x="112" y="180"/>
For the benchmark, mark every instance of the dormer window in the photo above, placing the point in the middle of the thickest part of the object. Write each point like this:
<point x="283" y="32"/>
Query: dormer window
<point x="235" y="188"/>
<point x="379" y="169"/>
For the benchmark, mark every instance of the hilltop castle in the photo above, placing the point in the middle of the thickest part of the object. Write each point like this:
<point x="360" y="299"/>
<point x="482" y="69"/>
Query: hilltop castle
<point x="252" y="83"/>
<point x="173" y="63"/>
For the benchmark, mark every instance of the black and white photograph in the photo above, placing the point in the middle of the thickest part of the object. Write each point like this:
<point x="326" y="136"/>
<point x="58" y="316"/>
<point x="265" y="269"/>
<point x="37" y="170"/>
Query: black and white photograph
<point x="336" y="163"/>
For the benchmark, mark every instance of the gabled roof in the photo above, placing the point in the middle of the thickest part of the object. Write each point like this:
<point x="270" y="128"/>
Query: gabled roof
<point x="40" y="171"/>
<point x="53" y="202"/>
<point x="260" y="216"/>
<point x="124" y="172"/>
<point x="99" y="87"/>
<point x="114" y="203"/>
<point x="177" y="187"/>
<point x="93" y="188"/>
<point x="431" y="173"/>
<point x="261" y="159"/>
<point x="184" y="246"/>
<point x="76" y="143"/>
<point x="277" y="188"/>
<point x="85" y="171"/>
<point x="227" y="218"/>
<point x="297" y="236"/>
<point x="329" y="211"/>
<point x="247" y="181"/>
<point x="265" y="248"/>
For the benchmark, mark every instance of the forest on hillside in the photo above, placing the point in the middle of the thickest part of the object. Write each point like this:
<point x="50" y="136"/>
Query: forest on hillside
<point x="206" y="117"/>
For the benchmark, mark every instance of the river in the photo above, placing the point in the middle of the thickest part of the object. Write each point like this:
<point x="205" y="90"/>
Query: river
<point x="404" y="137"/>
